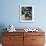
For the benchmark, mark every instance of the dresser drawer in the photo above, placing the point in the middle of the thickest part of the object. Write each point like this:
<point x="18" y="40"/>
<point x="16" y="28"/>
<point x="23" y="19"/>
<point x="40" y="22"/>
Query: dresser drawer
<point x="12" y="39"/>
<point x="37" y="39"/>
<point x="13" y="44"/>
<point x="13" y="33"/>
<point x="37" y="44"/>
<point x="34" y="33"/>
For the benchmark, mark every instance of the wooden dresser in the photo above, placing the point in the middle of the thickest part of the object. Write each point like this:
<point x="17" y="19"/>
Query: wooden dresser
<point x="23" y="38"/>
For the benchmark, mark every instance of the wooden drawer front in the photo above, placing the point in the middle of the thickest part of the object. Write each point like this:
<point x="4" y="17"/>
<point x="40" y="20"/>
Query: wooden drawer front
<point x="33" y="40"/>
<point x="5" y="40"/>
<point x="27" y="41"/>
<point x="13" y="33"/>
<point x="20" y="44"/>
<point x="37" y="39"/>
<point x="37" y="45"/>
<point x="12" y="39"/>
<point x="33" y="33"/>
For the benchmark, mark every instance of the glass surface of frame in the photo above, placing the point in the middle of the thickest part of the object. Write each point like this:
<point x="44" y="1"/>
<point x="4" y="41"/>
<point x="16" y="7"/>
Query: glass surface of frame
<point x="26" y="13"/>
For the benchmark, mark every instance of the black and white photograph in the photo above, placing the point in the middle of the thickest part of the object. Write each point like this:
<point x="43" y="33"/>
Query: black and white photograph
<point x="26" y="13"/>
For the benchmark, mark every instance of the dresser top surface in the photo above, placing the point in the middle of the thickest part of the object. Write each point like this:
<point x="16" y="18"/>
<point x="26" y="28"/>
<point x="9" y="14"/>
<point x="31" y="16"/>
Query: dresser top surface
<point x="22" y="30"/>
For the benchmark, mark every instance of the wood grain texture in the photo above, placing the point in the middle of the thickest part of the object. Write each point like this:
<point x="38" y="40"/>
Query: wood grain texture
<point x="34" y="39"/>
<point x="23" y="38"/>
<point x="13" y="39"/>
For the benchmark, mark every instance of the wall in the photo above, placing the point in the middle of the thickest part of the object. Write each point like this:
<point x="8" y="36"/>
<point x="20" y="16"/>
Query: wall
<point x="10" y="13"/>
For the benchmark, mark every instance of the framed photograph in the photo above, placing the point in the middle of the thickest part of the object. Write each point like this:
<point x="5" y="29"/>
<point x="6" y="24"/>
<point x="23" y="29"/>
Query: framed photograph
<point x="26" y="13"/>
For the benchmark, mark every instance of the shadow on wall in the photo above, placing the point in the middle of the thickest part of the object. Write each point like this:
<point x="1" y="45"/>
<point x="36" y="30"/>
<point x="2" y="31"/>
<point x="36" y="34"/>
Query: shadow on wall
<point x="2" y="26"/>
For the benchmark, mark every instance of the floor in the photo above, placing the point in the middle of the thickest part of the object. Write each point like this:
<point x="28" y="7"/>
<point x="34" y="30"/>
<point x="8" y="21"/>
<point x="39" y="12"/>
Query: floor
<point x="0" y="44"/>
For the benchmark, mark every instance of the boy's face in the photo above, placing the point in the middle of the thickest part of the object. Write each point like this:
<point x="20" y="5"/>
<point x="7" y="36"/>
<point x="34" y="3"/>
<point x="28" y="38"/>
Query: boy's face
<point x="26" y="11"/>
